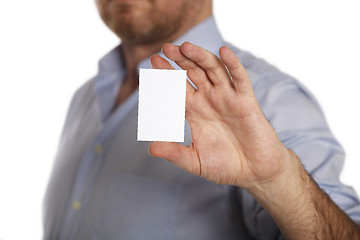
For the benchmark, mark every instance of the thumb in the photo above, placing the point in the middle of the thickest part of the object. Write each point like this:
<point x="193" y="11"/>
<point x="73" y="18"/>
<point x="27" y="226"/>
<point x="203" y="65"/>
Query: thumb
<point x="177" y="154"/>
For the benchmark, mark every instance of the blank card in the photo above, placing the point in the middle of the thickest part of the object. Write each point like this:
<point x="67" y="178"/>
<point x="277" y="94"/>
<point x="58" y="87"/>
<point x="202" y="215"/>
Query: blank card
<point x="161" y="112"/>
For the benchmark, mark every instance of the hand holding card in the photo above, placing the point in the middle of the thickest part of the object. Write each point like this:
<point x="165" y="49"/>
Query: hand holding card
<point x="232" y="141"/>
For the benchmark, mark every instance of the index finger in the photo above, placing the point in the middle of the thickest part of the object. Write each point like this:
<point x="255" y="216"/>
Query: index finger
<point x="213" y="66"/>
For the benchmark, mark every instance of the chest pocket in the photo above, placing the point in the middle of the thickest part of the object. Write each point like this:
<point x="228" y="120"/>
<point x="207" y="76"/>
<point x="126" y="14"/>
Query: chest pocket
<point x="135" y="207"/>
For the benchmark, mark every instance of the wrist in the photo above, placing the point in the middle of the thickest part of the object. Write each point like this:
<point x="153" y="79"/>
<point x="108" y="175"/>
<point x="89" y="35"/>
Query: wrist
<point x="287" y="197"/>
<point x="287" y="190"/>
<point x="289" y="174"/>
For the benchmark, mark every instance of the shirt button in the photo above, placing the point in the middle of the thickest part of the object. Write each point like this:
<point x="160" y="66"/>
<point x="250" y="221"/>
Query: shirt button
<point x="98" y="149"/>
<point x="76" y="205"/>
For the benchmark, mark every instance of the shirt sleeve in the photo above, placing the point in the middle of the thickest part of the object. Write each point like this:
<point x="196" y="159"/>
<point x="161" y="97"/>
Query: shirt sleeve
<point x="301" y="126"/>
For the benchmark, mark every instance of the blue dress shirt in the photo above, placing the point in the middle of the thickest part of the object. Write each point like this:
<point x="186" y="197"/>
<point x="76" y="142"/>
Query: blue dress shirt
<point x="105" y="185"/>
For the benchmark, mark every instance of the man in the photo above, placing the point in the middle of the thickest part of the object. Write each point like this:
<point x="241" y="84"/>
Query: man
<point x="105" y="185"/>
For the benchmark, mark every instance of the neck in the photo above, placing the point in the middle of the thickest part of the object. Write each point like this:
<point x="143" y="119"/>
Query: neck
<point x="134" y="54"/>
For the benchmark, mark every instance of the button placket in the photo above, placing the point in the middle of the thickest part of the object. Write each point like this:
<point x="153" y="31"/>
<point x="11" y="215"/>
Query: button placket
<point x="98" y="149"/>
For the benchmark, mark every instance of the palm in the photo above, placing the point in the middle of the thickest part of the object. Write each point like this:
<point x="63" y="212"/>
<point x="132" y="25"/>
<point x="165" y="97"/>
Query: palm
<point x="232" y="141"/>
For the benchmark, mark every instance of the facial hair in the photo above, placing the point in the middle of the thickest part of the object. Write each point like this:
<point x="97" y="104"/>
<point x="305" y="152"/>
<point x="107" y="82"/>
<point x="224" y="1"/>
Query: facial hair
<point x="152" y="26"/>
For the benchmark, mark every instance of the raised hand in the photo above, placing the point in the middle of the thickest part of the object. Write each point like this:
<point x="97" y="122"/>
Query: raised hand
<point x="232" y="142"/>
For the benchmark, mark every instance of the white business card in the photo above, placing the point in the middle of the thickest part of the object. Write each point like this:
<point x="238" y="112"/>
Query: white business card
<point x="161" y="112"/>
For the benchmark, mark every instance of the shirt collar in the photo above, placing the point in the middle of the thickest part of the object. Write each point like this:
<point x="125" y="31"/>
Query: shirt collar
<point x="111" y="68"/>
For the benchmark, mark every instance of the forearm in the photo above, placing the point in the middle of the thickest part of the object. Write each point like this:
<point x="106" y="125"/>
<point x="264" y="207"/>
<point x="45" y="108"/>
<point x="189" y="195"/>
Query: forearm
<point x="301" y="209"/>
<point x="234" y="144"/>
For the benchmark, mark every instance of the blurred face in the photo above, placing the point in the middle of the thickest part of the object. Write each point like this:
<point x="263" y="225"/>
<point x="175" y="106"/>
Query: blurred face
<point x="148" y="21"/>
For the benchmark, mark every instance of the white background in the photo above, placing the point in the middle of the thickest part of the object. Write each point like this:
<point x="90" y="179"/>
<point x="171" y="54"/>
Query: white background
<point x="49" y="48"/>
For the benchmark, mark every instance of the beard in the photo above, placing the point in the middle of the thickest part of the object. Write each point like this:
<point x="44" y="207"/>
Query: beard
<point x="136" y="25"/>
